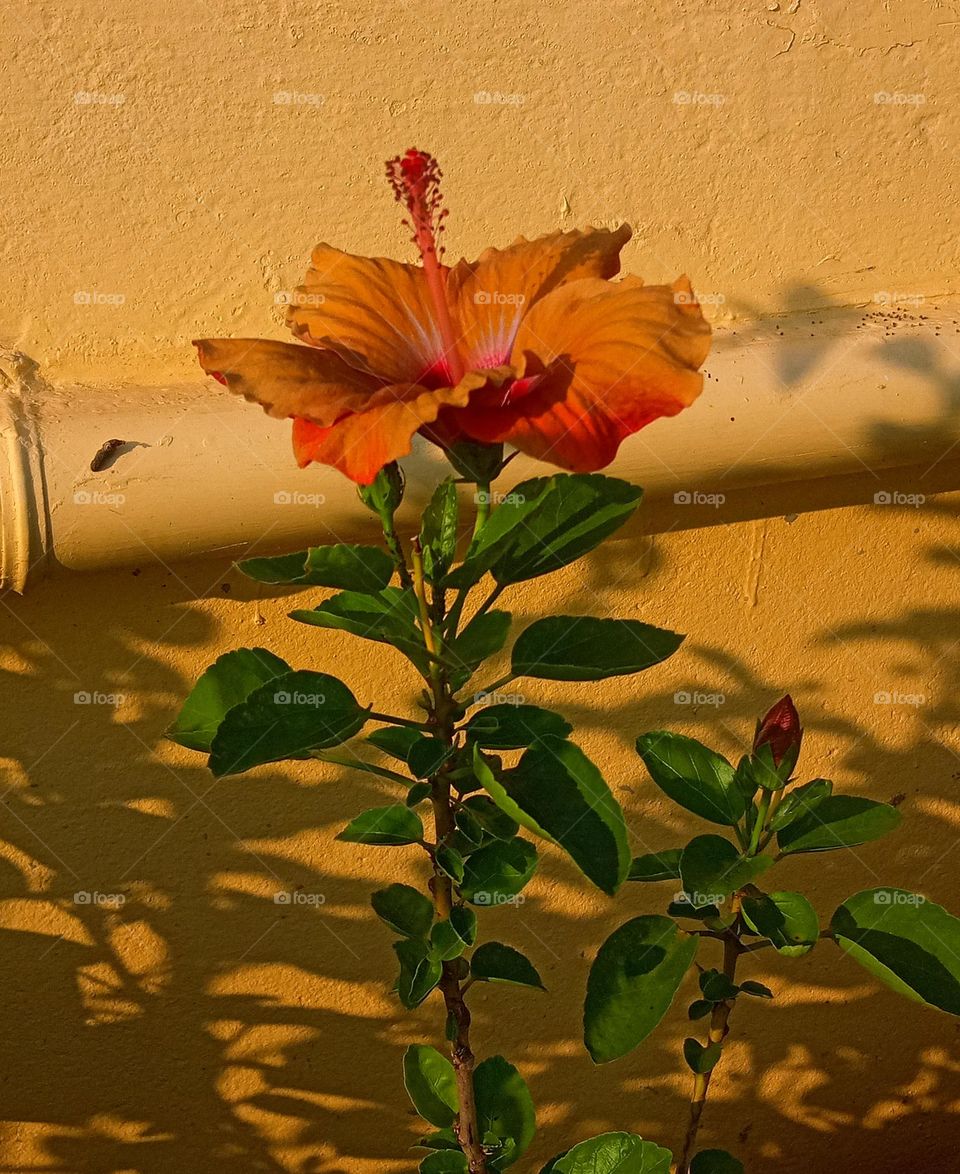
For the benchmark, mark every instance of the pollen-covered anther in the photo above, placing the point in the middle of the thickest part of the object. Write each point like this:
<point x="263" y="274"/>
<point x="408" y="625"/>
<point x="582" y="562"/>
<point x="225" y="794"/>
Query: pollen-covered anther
<point x="415" y="178"/>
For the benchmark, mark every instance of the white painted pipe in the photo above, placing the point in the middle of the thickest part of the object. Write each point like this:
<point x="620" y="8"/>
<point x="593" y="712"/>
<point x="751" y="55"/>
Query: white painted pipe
<point x="792" y="399"/>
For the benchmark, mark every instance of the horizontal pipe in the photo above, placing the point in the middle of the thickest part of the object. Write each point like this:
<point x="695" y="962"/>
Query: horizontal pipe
<point x="799" y="412"/>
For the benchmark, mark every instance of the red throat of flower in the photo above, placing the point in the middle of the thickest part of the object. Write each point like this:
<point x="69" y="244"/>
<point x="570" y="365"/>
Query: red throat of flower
<point x="415" y="178"/>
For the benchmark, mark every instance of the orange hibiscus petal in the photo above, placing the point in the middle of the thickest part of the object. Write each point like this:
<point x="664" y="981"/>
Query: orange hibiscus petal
<point x="612" y="357"/>
<point x="360" y="444"/>
<point x="286" y="379"/>
<point x="491" y="295"/>
<point x="374" y="312"/>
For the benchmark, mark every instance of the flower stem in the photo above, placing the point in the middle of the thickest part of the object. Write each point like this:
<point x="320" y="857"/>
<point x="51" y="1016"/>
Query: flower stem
<point x="719" y="1020"/>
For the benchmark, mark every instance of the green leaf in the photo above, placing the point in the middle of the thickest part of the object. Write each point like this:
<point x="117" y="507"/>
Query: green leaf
<point x="583" y="648"/>
<point x="498" y="872"/>
<point x="612" y="1153"/>
<point x="346" y="568"/>
<point x="699" y="1008"/>
<point x="445" y="1162"/>
<point x="227" y="682"/>
<point x="484" y="636"/>
<point x="495" y="962"/>
<point x="285" y="718"/>
<point x="427" y="755"/>
<point x="388" y="617"/>
<point x="906" y="941"/>
<point x="417" y="793"/>
<point x="700" y="1059"/>
<point x="495" y="823"/>
<point x="757" y="989"/>
<point x="711" y="868"/>
<point x="450" y="938"/>
<point x="788" y="920"/>
<point x="431" y="1084"/>
<point x="438" y="530"/>
<point x="504" y="1107"/>
<point x="503" y="525"/>
<point x="715" y="1162"/>
<point x="450" y="862"/>
<point x="840" y="821"/>
<point x="514" y="727"/>
<point x="800" y="802"/>
<point x="717" y="987"/>
<point x="405" y="910"/>
<point x="558" y="793"/>
<point x="395" y="741"/>
<point x="656" y="866"/>
<point x="443" y="1139"/>
<point x="632" y="983"/>
<point x="575" y="514"/>
<point x="419" y="971"/>
<point x="388" y="826"/>
<point x="693" y="776"/>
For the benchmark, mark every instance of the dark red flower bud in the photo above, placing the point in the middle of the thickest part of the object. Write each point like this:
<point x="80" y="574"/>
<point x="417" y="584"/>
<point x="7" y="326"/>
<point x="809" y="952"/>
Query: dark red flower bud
<point x="781" y="731"/>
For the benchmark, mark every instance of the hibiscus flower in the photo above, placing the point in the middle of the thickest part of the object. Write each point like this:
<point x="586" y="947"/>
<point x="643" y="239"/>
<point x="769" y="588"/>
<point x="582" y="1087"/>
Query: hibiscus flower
<point x="532" y="345"/>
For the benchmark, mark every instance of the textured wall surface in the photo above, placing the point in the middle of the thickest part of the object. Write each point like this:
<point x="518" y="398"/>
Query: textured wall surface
<point x="176" y="162"/>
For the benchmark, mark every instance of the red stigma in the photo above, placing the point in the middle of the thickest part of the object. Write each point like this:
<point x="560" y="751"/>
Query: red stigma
<point x="415" y="178"/>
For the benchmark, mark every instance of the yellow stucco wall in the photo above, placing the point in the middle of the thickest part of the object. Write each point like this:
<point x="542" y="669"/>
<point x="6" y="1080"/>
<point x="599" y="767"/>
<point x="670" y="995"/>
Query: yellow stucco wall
<point x="203" y="1028"/>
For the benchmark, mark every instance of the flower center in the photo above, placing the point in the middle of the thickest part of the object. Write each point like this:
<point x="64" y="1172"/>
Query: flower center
<point x="415" y="179"/>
